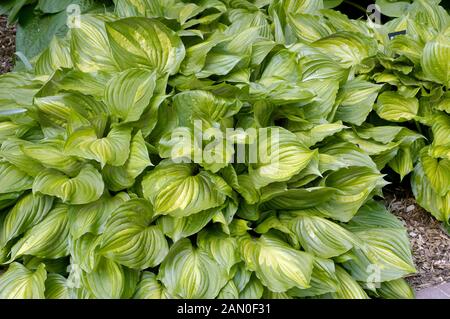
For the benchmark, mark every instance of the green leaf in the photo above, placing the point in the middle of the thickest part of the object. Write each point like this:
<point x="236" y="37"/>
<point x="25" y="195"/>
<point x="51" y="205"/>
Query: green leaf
<point x="177" y="228"/>
<point x="150" y="288"/>
<point x="50" y="154"/>
<point x="441" y="136"/>
<point x="348" y="288"/>
<point x="84" y="188"/>
<point x="56" y="287"/>
<point x="121" y="177"/>
<point x="278" y="266"/>
<point x="26" y="213"/>
<point x="177" y="190"/>
<point x="393" y="107"/>
<point x="392" y="8"/>
<point x="322" y="237"/>
<point x="396" y="289"/>
<point x="20" y="283"/>
<point x="55" y="57"/>
<point x="355" y="185"/>
<point x="47" y="239"/>
<point x="130" y="239"/>
<point x="113" y="149"/>
<point x="91" y="218"/>
<point x="437" y="172"/>
<point x="356" y="99"/>
<point x="142" y="42"/>
<point x="222" y="247"/>
<point x="128" y="93"/>
<point x="89" y="47"/>
<point x="281" y="156"/>
<point x="191" y="272"/>
<point x="435" y="60"/>
<point x="347" y="48"/>
<point x="13" y="179"/>
<point x="438" y="206"/>
<point x="110" y="280"/>
<point x="204" y="106"/>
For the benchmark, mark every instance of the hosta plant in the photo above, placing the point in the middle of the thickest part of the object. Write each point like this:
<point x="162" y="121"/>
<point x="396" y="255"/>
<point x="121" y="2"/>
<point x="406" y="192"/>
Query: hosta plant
<point x="221" y="149"/>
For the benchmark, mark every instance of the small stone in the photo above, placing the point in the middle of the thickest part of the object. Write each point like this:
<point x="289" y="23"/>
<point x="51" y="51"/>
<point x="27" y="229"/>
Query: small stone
<point x="410" y="208"/>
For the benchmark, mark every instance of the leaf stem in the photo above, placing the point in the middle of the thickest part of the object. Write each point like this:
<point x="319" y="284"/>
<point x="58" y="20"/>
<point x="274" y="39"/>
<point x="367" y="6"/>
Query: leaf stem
<point x="355" y="5"/>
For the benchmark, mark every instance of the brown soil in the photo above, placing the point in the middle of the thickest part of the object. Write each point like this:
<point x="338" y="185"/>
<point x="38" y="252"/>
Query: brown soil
<point x="7" y="46"/>
<point x="429" y="241"/>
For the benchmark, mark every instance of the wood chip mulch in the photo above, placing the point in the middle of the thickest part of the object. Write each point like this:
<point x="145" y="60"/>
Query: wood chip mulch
<point x="429" y="241"/>
<point x="7" y="45"/>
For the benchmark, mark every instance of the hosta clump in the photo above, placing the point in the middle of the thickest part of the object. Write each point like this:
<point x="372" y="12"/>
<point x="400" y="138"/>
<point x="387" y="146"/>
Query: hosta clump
<point x="215" y="149"/>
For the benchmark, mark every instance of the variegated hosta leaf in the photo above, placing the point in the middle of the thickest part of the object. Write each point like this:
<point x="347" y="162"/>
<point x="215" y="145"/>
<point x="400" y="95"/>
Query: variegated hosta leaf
<point x="128" y="93"/>
<point x="278" y="266"/>
<point x="253" y="290"/>
<point x="322" y="105"/>
<point x="18" y="91"/>
<point x="84" y="188"/>
<point x="47" y="239"/>
<point x="356" y="99"/>
<point x="13" y="179"/>
<point x="56" y="56"/>
<point x="142" y="42"/>
<point x="11" y="150"/>
<point x="150" y="288"/>
<point x="113" y="149"/>
<point x="50" y="153"/>
<point x="309" y="27"/>
<point x="130" y="239"/>
<point x="347" y="48"/>
<point x="204" y="106"/>
<point x="323" y="280"/>
<point x="348" y="288"/>
<point x="280" y="156"/>
<point x="20" y="283"/>
<point x="110" y="280"/>
<point x="437" y="172"/>
<point x="395" y="289"/>
<point x="83" y="252"/>
<point x="300" y="198"/>
<point x="337" y="154"/>
<point x="435" y="57"/>
<point x="222" y="247"/>
<point x="121" y="177"/>
<point x="90" y="48"/>
<point x="26" y="213"/>
<point x="385" y="254"/>
<point x="178" y="190"/>
<point x="438" y="206"/>
<point x="320" y="132"/>
<point x="229" y="291"/>
<point x="181" y="227"/>
<point x="403" y="162"/>
<point x="354" y="186"/>
<point x="393" y="107"/>
<point x="441" y="136"/>
<point x="320" y="236"/>
<point x="191" y="272"/>
<point x="56" y="287"/>
<point x="91" y="218"/>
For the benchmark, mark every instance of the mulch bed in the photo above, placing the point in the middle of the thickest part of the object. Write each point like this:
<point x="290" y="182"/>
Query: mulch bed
<point x="430" y="243"/>
<point x="7" y="46"/>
